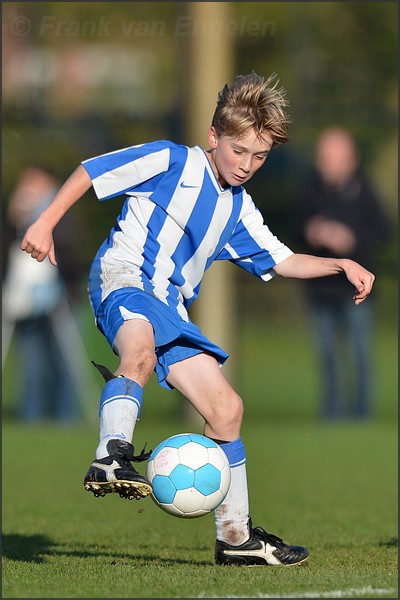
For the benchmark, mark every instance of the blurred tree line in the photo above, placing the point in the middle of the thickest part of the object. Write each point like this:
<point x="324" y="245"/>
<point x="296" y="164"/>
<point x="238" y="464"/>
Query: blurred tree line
<point x="80" y="79"/>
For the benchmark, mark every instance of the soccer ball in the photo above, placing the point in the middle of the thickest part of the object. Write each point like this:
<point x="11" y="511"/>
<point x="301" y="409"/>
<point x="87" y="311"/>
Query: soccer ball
<point x="190" y="475"/>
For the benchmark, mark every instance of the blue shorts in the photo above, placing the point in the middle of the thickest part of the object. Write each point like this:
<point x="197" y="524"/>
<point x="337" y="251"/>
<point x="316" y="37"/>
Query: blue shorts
<point x="174" y="338"/>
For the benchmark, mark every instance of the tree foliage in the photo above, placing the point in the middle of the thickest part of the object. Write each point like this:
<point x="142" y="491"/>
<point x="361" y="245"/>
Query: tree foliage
<point x="85" y="78"/>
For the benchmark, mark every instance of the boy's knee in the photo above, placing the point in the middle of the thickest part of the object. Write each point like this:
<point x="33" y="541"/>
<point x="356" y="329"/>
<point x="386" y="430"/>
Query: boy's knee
<point x="237" y="409"/>
<point x="138" y="365"/>
<point x="147" y="360"/>
<point x="231" y="413"/>
<point x="225" y="419"/>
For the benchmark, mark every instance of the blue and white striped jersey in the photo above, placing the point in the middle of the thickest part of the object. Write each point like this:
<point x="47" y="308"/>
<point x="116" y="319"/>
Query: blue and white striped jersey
<point x="175" y="222"/>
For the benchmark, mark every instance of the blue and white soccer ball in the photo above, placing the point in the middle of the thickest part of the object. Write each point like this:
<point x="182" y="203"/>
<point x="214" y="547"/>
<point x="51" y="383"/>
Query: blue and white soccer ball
<point x="190" y="475"/>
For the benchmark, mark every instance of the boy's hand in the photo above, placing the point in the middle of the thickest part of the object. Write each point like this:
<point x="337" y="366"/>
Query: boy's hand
<point x="362" y="279"/>
<point x="38" y="242"/>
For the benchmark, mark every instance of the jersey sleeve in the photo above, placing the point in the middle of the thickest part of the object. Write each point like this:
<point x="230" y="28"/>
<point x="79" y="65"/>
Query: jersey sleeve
<point x="120" y="172"/>
<point x="253" y="246"/>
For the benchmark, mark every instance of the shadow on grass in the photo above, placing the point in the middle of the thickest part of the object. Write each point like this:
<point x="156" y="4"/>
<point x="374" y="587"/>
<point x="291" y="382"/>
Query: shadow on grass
<point x="391" y="542"/>
<point x="26" y="548"/>
<point x="35" y="548"/>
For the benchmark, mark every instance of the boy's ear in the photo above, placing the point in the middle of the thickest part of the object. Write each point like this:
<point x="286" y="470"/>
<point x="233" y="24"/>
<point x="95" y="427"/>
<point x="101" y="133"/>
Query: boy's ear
<point x="212" y="137"/>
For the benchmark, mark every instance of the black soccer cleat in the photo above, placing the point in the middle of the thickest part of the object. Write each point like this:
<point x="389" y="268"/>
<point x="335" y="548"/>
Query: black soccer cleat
<point x="115" y="474"/>
<point x="261" y="548"/>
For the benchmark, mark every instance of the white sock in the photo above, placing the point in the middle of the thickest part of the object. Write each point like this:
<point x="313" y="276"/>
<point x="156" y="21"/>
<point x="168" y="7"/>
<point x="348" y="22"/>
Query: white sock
<point x="120" y="404"/>
<point x="232" y="515"/>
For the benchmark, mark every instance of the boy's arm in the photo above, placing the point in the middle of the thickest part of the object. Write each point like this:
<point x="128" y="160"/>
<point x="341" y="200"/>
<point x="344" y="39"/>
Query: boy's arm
<point x="38" y="239"/>
<point x="304" y="266"/>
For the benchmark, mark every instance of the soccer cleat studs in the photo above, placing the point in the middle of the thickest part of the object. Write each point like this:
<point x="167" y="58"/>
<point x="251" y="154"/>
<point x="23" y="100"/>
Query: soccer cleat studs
<point x="115" y="474"/>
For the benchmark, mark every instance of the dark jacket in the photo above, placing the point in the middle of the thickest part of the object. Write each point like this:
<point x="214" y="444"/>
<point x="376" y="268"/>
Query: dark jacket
<point x="355" y="204"/>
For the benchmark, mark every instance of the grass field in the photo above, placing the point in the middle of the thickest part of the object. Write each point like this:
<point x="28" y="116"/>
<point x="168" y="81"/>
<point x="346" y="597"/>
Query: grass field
<point x="332" y="488"/>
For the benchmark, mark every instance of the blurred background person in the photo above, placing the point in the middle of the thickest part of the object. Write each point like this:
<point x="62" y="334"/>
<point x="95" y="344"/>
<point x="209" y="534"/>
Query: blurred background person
<point x="340" y="214"/>
<point x="36" y="302"/>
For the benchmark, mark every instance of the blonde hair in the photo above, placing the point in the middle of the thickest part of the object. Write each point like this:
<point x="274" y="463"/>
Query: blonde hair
<point x="252" y="101"/>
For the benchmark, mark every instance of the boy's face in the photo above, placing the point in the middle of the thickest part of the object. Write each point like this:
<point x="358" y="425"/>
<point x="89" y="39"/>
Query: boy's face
<point x="235" y="160"/>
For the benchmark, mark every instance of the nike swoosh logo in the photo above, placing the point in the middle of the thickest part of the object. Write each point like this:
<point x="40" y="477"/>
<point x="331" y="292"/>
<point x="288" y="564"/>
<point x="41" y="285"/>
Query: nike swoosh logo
<point x="183" y="185"/>
<point x="109" y="469"/>
<point x="266" y="552"/>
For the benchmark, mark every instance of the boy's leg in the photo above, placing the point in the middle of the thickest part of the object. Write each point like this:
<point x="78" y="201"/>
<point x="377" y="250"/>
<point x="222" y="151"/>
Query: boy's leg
<point x="238" y="543"/>
<point x="199" y="378"/>
<point x="120" y="404"/>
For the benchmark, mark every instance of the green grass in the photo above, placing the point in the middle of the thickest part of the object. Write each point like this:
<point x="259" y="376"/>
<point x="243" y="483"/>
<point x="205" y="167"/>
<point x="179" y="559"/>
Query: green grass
<point x="332" y="488"/>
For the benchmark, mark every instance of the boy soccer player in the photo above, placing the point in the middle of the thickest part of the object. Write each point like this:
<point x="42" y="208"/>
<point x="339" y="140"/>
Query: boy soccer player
<point x="185" y="207"/>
